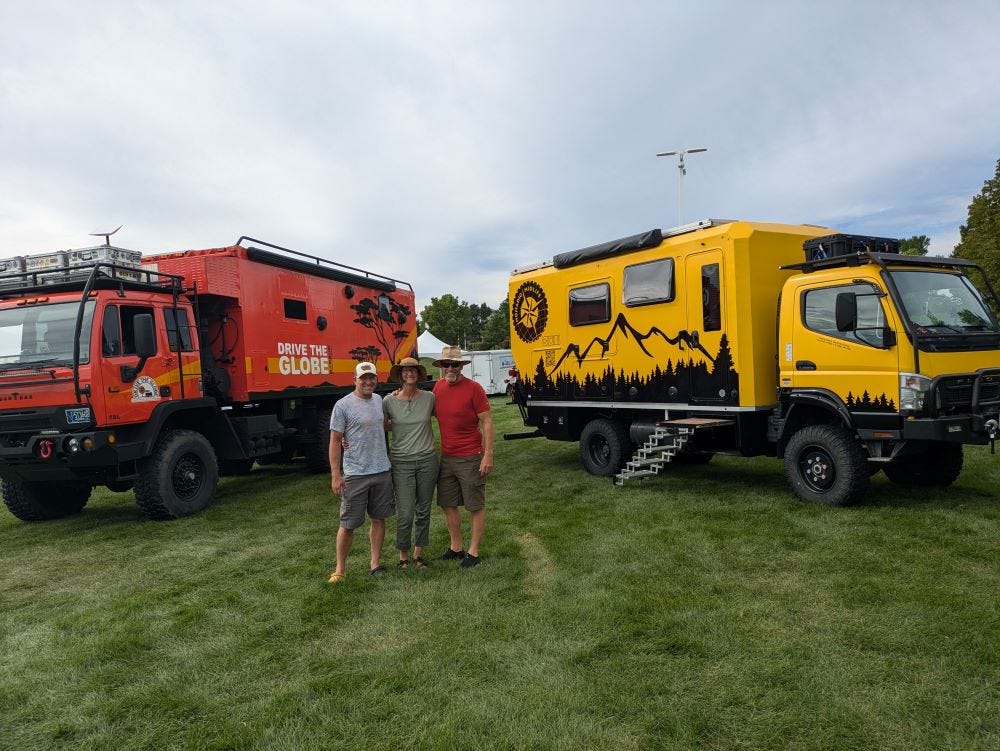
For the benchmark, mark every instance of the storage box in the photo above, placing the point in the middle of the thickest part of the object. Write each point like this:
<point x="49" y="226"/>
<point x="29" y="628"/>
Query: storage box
<point x="103" y="254"/>
<point x="13" y="270"/>
<point x="45" y="261"/>
<point x="11" y="265"/>
<point x="831" y="246"/>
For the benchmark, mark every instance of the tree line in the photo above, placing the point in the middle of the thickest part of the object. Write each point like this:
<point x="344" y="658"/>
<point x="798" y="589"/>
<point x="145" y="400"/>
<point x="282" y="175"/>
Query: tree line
<point x="471" y="326"/>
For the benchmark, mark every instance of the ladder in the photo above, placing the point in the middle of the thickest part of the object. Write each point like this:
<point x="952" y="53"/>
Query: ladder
<point x="665" y="442"/>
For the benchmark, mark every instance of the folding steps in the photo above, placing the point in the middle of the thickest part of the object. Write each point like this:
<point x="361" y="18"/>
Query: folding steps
<point x="665" y="442"/>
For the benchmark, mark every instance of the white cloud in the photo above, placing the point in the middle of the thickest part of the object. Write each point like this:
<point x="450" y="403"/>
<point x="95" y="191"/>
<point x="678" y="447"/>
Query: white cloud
<point x="446" y="143"/>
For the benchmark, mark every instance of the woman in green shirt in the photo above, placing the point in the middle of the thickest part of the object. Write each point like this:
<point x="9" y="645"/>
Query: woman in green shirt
<point x="414" y="458"/>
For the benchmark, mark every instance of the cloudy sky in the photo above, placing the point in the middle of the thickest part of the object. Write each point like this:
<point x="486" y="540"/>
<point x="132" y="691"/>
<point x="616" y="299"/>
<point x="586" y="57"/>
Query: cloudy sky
<point x="446" y="143"/>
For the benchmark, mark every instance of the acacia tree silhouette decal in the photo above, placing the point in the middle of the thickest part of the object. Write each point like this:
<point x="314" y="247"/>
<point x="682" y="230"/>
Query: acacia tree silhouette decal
<point x="386" y="318"/>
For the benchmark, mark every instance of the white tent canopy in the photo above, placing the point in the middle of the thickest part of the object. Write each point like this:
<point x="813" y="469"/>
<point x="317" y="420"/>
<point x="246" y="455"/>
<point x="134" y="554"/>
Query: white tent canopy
<point x="429" y="345"/>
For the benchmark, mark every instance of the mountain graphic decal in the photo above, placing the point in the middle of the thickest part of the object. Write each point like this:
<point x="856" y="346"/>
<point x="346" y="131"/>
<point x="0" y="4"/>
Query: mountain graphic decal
<point x="711" y="379"/>
<point x="622" y="326"/>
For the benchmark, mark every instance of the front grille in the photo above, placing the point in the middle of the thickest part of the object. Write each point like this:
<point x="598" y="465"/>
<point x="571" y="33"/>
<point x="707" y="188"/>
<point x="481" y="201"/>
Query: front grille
<point x="955" y="393"/>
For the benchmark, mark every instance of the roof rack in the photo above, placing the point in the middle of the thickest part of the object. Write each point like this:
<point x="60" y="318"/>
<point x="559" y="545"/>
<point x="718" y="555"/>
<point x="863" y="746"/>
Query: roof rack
<point x="882" y="259"/>
<point x="319" y="266"/>
<point x="101" y="275"/>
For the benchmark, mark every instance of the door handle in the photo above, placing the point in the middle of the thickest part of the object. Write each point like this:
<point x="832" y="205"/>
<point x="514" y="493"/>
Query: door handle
<point x="805" y="365"/>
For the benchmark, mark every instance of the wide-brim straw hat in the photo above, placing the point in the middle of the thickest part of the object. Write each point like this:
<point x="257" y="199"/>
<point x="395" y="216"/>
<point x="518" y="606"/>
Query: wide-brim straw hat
<point x="451" y="353"/>
<point x="396" y="371"/>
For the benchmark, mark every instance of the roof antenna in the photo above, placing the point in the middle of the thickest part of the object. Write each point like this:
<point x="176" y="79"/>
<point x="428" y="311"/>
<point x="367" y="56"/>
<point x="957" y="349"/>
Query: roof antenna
<point x="107" y="235"/>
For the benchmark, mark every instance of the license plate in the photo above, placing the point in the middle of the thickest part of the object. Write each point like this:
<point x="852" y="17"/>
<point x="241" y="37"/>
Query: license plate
<point x="78" y="416"/>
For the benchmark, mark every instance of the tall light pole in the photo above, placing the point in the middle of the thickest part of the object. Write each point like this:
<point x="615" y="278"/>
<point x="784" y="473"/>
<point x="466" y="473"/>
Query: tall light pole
<point x="681" y="171"/>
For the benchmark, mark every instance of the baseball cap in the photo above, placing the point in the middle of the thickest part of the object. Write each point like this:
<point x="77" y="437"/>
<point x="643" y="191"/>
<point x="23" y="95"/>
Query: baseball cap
<point x="365" y="368"/>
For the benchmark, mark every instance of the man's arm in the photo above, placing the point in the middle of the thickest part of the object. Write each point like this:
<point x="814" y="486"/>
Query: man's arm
<point x="486" y="428"/>
<point x="336" y="475"/>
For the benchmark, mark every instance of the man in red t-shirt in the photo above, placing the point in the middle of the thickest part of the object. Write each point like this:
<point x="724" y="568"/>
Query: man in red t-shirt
<point x="463" y="413"/>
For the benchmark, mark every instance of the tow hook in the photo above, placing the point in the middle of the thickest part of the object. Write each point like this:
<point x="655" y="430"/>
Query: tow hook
<point x="992" y="427"/>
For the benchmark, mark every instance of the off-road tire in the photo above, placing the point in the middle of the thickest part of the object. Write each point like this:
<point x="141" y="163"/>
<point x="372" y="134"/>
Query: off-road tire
<point x="825" y="464"/>
<point x="317" y="452"/>
<point x="179" y="478"/>
<point x="937" y="467"/>
<point x="604" y="447"/>
<point x="41" y="501"/>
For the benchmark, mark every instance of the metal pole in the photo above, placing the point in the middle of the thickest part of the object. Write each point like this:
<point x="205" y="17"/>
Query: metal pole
<point x="681" y="171"/>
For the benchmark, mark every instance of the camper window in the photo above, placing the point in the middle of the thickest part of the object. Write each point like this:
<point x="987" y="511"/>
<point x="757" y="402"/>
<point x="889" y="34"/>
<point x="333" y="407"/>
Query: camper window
<point x="711" y="300"/>
<point x="646" y="283"/>
<point x="590" y="304"/>
<point x="295" y="309"/>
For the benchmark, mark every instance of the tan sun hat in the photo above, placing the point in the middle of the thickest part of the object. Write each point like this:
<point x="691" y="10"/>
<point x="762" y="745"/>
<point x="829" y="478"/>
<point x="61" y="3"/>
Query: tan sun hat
<point x="396" y="372"/>
<point x="451" y="353"/>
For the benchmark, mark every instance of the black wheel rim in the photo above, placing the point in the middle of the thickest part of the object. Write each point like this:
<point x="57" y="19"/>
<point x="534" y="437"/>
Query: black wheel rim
<point x="599" y="450"/>
<point x="188" y="476"/>
<point x="817" y="469"/>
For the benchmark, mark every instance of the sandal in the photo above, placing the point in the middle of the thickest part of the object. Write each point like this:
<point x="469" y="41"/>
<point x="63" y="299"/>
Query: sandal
<point x="377" y="571"/>
<point x="420" y="563"/>
<point x="336" y="578"/>
<point x="403" y="565"/>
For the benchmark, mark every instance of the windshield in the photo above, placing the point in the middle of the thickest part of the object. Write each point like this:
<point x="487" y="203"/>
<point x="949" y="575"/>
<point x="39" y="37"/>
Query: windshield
<point x="943" y="302"/>
<point x="31" y="336"/>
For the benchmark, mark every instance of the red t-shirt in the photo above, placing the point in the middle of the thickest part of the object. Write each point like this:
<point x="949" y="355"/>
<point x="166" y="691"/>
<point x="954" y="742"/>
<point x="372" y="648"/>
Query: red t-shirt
<point x="457" y="408"/>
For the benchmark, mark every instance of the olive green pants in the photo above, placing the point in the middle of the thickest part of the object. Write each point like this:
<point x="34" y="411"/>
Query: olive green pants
<point x="414" y="483"/>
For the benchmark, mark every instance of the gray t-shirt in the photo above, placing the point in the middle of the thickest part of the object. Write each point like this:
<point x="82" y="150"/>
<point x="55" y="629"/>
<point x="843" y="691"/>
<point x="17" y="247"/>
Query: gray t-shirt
<point x="412" y="434"/>
<point x="361" y="422"/>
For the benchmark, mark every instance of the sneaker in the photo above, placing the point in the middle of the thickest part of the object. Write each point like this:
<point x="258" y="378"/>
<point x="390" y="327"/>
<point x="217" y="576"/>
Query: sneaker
<point x="469" y="561"/>
<point x="451" y="555"/>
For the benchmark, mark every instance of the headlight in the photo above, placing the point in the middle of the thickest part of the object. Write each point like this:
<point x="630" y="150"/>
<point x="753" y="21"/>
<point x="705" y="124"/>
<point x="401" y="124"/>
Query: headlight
<point x="912" y="390"/>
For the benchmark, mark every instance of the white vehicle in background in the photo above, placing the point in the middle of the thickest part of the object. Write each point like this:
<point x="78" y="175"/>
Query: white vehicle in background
<point x="493" y="369"/>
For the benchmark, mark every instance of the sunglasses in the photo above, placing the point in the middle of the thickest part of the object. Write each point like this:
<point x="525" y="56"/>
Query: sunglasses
<point x="449" y="364"/>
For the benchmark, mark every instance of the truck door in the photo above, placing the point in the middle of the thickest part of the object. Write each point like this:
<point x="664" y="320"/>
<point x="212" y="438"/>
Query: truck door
<point x="860" y="365"/>
<point x="131" y="400"/>
<point x="710" y="373"/>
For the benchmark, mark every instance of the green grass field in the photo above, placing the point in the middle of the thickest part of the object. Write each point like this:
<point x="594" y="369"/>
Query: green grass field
<point x="703" y="609"/>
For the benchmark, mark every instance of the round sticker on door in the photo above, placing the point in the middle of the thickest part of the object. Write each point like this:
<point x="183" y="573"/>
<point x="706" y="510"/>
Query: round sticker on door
<point x="529" y="311"/>
<point x="144" y="389"/>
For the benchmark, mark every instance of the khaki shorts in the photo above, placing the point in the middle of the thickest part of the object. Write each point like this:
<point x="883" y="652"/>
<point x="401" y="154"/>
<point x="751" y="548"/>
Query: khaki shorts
<point x="366" y="493"/>
<point x="460" y="484"/>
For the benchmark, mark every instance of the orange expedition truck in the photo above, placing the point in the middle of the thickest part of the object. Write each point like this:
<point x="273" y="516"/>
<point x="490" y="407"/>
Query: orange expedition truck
<point x="160" y="373"/>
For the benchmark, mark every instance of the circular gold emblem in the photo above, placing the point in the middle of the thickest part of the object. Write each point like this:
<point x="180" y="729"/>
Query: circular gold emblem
<point x="529" y="312"/>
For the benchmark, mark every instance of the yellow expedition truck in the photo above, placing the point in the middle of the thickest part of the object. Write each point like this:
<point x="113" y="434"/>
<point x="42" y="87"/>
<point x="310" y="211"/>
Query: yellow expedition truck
<point x="832" y="352"/>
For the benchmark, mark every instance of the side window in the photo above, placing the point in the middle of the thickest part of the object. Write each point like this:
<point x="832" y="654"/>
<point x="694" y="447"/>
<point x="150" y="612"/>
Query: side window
<point x="820" y="313"/>
<point x="646" y="283"/>
<point x="177" y="325"/>
<point x="590" y="304"/>
<point x="711" y="298"/>
<point x="295" y="309"/>
<point x="111" y="333"/>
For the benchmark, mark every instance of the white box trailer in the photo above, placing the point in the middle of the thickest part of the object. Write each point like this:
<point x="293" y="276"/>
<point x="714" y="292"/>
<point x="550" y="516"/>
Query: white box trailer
<point x="493" y="369"/>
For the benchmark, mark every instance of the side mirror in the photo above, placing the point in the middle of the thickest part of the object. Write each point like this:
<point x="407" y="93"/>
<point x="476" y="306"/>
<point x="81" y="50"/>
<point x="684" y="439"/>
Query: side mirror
<point x="145" y="336"/>
<point x="847" y="311"/>
<point x="145" y="346"/>
<point x="888" y="337"/>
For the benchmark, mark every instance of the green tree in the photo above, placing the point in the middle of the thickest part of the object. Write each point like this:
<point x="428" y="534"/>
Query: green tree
<point x="496" y="332"/>
<point x="980" y="235"/>
<point x="918" y="245"/>
<point x="448" y="318"/>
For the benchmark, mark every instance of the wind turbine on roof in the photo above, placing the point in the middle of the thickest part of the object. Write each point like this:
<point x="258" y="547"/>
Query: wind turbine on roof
<point x="681" y="171"/>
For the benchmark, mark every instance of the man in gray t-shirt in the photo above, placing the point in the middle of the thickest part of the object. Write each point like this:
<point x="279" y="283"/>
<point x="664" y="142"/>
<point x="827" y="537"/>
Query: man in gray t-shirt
<point x="365" y="483"/>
